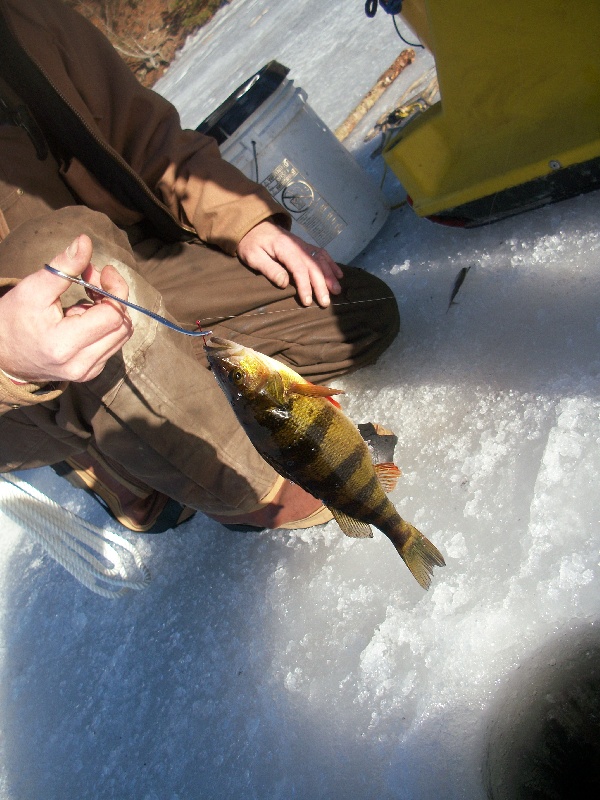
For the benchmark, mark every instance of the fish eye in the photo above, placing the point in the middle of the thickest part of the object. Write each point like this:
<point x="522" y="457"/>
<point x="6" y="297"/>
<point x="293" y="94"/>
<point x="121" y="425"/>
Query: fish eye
<point x="236" y="376"/>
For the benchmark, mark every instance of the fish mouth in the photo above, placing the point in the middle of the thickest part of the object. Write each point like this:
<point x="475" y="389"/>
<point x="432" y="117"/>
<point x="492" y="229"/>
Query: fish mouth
<point x="222" y="355"/>
<point x="215" y="345"/>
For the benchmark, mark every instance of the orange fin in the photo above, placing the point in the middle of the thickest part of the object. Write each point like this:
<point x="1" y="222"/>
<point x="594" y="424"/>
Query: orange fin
<point x="334" y="402"/>
<point x="313" y="390"/>
<point x="352" y="527"/>
<point x="388" y="475"/>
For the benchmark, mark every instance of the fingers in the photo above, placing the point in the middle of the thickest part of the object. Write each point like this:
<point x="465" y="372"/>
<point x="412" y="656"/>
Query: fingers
<point x="71" y="261"/>
<point x="278" y="254"/>
<point x="47" y="344"/>
<point x="112" y="282"/>
<point x="109" y="280"/>
<point x="330" y="268"/>
<point x="75" y="261"/>
<point x="75" y="258"/>
<point x="313" y="271"/>
<point x="86" y="337"/>
<point x="309" y="279"/>
<point x="271" y="269"/>
<point x="316" y="274"/>
<point x="105" y="322"/>
<point x="88" y="362"/>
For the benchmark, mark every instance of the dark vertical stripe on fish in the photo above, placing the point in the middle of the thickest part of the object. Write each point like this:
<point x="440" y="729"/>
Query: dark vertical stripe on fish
<point x="350" y="464"/>
<point x="305" y="449"/>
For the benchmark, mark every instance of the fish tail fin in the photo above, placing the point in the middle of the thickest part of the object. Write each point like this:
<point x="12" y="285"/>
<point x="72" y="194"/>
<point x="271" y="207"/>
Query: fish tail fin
<point x="417" y="552"/>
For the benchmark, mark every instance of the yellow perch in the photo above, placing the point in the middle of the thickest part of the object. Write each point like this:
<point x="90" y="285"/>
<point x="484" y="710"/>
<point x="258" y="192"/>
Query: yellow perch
<point x="300" y="430"/>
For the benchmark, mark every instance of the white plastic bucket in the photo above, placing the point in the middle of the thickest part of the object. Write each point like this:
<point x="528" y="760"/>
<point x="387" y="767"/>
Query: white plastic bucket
<point x="283" y="145"/>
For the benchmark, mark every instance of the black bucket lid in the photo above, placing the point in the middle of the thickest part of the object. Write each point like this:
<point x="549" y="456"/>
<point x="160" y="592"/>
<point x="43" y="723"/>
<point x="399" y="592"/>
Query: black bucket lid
<point x="228" y="117"/>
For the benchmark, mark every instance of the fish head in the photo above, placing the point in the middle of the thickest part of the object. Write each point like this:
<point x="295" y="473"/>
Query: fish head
<point x="242" y="373"/>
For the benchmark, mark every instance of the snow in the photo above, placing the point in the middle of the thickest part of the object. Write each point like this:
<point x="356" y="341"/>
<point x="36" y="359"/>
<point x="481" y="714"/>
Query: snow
<point x="305" y="664"/>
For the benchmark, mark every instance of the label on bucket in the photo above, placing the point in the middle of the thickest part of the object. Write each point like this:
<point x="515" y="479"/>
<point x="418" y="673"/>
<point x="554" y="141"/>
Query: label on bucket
<point x="289" y="186"/>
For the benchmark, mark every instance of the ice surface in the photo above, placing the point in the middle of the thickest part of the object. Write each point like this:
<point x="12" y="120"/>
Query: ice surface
<point x="307" y="664"/>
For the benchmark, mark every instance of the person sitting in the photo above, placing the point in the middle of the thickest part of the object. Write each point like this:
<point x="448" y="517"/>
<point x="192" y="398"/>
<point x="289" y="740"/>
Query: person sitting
<point x="98" y="178"/>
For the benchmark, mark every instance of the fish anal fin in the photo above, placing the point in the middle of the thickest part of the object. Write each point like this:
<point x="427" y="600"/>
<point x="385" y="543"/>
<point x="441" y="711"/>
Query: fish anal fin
<point x="388" y="475"/>
<point x="352" y="527"/>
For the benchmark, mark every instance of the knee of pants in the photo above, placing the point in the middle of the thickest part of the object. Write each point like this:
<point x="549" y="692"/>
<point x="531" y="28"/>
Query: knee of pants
<point x="35" y="242"/>
<point x="30" y="438"/>
<point x="365" y="321"/>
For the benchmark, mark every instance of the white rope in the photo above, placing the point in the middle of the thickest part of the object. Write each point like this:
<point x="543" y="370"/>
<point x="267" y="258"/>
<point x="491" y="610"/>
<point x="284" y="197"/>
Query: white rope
<point x="81" y="548"/>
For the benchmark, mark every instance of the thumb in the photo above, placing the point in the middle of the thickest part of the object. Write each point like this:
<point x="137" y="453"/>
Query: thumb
<point x="71" y="261"/>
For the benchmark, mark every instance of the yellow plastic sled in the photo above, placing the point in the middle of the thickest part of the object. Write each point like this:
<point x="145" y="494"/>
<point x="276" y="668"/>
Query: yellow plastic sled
<point x="518" y="124"/>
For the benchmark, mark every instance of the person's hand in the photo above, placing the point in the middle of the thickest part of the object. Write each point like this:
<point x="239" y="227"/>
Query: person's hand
<point x="40" y="343"/>
<point x="278" y="254"/>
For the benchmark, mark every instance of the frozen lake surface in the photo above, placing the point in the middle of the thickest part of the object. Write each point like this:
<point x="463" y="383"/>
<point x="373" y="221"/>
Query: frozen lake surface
<point x="306" y="664"/>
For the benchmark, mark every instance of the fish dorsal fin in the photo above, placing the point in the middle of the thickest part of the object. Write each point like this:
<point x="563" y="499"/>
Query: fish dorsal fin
<point x="388" y="475"/>
<point x="313" y="390"/>
<point x="350" y="526"/>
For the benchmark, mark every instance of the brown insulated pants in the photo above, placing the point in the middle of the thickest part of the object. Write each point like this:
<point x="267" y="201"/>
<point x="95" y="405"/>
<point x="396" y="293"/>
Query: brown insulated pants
<point x="156" y="409"/>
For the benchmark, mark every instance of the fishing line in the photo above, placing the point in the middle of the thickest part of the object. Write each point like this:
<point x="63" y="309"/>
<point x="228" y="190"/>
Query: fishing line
<point x="292" y="310"/>
<point x="216" y="320"/>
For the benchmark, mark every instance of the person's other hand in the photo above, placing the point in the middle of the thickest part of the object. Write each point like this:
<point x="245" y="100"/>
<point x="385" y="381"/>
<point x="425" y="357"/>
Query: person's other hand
<point x="279" y="255"/>
<point x="41" y="343"/>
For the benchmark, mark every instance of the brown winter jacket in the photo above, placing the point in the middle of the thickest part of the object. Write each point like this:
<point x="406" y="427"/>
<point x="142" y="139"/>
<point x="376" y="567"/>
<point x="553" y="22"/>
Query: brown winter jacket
<point x="117" y="147"/>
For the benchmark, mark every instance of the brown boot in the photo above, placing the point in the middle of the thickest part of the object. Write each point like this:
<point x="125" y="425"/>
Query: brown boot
<point x="132" y="503"/>
<point x="287" y="506"/>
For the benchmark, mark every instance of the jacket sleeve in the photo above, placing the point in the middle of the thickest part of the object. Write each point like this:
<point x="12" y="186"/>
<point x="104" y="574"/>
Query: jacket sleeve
<point x="183" y="168"/>
<point x="14" y="395"/>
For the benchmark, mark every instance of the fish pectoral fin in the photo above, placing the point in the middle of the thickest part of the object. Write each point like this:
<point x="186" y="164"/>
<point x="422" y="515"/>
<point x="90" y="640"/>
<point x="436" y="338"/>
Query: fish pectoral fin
<point x="275" y="389"/>
<point x="388" y="475"/>
<point x="313" y="390"/>
<point x="350" y="526"/>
